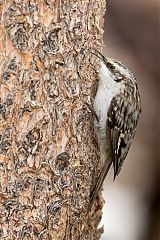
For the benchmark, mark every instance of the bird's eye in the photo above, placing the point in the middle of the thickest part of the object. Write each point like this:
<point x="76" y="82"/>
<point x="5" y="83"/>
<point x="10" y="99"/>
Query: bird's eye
<point x="110" y="66"/>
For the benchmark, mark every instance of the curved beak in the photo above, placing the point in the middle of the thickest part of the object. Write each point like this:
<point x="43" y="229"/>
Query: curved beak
<point x="98" y="54"/>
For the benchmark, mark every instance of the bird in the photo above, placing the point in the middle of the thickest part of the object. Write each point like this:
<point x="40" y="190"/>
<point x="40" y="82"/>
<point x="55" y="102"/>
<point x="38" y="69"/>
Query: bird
<point x="117" y="107"/>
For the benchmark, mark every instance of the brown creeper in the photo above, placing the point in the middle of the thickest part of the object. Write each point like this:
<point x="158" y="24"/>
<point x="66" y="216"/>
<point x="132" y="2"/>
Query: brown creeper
<point x="117" y="107"/>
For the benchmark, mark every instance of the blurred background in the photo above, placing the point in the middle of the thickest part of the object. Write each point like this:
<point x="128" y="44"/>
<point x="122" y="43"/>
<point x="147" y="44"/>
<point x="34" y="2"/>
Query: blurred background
<point x="132" y="209"/>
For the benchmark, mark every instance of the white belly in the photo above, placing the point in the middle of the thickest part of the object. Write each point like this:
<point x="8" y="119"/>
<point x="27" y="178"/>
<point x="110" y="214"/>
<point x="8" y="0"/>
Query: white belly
<point x="107" y="90"/>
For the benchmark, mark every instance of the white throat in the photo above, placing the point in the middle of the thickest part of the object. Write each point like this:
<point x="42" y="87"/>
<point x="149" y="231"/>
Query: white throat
<point x="107" y="89"/>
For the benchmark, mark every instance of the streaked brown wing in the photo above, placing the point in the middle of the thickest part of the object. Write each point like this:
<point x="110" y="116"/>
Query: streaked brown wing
<point x="122" y="124"/>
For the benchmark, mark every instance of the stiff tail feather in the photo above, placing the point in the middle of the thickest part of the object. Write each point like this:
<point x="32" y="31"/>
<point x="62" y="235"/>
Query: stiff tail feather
<point x="98" y="184"/>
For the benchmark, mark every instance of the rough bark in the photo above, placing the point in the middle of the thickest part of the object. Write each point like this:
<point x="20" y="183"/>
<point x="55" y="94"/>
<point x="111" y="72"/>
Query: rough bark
<point x="48" y="150"/>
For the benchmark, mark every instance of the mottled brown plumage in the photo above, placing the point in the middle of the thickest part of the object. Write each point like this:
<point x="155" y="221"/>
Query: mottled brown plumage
<point x="117" y="106"/>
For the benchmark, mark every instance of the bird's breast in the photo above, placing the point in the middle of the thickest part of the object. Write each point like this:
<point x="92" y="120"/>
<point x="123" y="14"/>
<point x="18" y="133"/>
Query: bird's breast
<point x="102" y="102"/>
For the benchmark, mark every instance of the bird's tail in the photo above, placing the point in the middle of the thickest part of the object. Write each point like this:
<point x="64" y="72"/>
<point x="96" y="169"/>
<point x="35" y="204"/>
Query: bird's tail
<point x="99" y="181"/>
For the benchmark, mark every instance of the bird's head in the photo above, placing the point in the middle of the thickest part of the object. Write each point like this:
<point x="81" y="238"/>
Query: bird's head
<point x="115" y="68"/>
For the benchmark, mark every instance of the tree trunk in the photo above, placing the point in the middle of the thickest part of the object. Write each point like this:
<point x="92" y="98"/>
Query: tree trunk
<point x="48" y="149"/>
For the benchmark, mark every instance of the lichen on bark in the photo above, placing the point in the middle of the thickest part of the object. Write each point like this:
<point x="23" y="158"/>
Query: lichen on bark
<point x="48" y="149"/>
